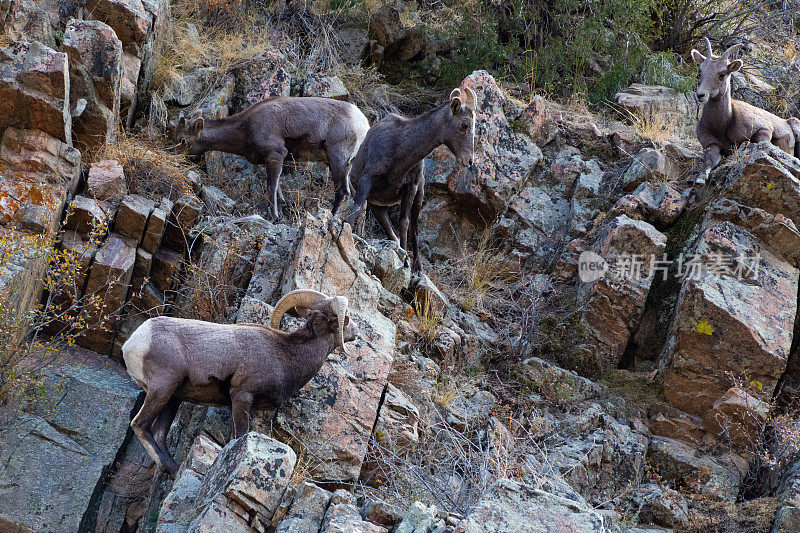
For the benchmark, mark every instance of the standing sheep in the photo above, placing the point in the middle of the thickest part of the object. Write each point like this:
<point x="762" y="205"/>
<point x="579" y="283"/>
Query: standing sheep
<point x="177" y="359"/>
<point x="726" y="123"/>
<point x="388" y="167"/>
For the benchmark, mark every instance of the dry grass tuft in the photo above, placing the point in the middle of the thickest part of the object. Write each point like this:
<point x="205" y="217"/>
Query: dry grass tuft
<point x="652" y="128"/>
<point x="150" y="169"/>
<point x="5" y="40"/>
<point x="486" y="272"/>
<point x="429" y="318"/>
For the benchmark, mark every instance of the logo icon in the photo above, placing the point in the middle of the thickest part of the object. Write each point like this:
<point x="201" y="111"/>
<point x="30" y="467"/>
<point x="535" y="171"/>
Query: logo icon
<point x="591" y="267"/>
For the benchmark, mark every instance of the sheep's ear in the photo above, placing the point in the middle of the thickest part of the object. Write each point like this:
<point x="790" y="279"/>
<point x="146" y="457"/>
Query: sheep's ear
<point x="697" y="56"/>
<point x="197" y="126"/>
<point x="735" y="65"/>
<point x="455" y="100"/>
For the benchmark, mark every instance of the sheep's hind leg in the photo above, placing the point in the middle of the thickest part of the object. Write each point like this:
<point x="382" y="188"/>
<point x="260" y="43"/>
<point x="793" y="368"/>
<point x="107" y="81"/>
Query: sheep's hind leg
<point x="164" y="421"/>
<point x="338" y="162"/>
<point x="154" y="402"/>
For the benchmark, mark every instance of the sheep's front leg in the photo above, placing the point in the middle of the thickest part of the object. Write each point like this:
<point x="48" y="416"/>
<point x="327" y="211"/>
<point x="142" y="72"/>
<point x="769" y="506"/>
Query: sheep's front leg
<point x="711" y="158"/>
<point x="413" y="230"/>
<point x="274" y="164"/>
<point x="241" y="403"/>
<point x="785" y="143"/>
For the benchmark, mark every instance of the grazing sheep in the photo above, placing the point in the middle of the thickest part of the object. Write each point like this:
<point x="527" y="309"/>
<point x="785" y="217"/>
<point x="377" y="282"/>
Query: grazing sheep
<point x="388" y="166"/>
<point x="726" y="123"/>
<point x="176" y="359"/>
<point x="310" y="128"/>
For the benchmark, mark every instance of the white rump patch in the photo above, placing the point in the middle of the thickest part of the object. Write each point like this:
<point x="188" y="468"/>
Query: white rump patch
<point x="134" y="351"/>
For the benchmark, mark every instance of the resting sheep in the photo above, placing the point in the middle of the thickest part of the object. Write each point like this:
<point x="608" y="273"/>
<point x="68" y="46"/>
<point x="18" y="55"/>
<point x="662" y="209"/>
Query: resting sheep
<point x="175" y="360"/>
<point x="388" y="166"/>
<point x="310" y="128"/>
<point x="726" y="123"/>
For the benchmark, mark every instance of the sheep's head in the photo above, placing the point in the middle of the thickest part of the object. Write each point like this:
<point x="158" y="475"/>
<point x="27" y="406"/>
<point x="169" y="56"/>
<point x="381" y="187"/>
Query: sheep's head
<point x="187" y="132"/>
<point x="715" y="72"/>
<point x="460" y="131"/>
<point x="328" y="314"/>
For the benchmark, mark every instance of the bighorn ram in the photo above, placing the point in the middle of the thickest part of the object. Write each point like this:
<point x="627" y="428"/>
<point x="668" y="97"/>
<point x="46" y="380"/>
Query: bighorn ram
<point x="310" y="128"/>
<point x="726" y="123"/>
<point x="175" y="359"/>
<point x="388" y="166"/>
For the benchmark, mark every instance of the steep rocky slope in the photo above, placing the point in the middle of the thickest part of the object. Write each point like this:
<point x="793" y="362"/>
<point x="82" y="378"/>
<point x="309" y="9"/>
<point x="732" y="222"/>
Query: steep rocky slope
<point x="593" y="348"/>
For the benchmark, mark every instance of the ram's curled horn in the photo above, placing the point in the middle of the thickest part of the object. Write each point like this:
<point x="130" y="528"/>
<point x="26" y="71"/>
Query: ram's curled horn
<point x="472" y="100"/>
<point x="732" y="50"/>
<point x="708" y="44"/>
<point x="300" y="298"/>
<point x="340" y="307"/>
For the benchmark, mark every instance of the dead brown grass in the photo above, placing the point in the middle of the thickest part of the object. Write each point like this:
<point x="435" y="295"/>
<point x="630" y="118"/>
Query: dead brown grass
<point x="151" y="170"/>
<point x="652" y="128"/>
<point x="486" y="272"/>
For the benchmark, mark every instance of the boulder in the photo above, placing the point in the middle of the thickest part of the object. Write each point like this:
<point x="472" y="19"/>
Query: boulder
<point x="180" y="505"/>
<point x="39" y="157"/>
<point x="184" y="216"/>
<point x="539" y="123"/>
<point x="95" y="63"/>
<point x="419" y="517"/>
<point x="166" y="268"/>
<point x="261" y="78"/>
<point x="132" y="215"/>
<point x="399" y="40"/>
<point x="396" y="432"/>
<point x="504" y="159"/>
<point x="87" y="216"/>
<point x="29" y="20"/>
<point x="34" y="90"/>
<point x="325" y="87"/>
<point x="660" y="205"/>
<point x="129" y="19"/>
<point x="766" y="177"/>
<point x="131" y="66"/>
<point x="603" y="462"/>
<point x="613" y="303"/>
<point x="388" y="263"/>
<point x="156" y="224"/>
<point x="738" y="418"/>
<point x="682" y="465"/>
<point x="54" y="459"/>
<point x="244" y="485"/>
<point x="586" y="201"/>
<point x="190" y="88"/>
<point x="342" y="516"/>
<point x="108" y="280"/>
<point x="142" y="268"/>
<point x="663" y="506"/>
<point x="333" y="414"/>
<point x="650" y="164"/>
<point x="511" y="507"/>
<point x="734" y="318"/>
<point x="216" y="201"/>
<point x="661" y="105"/>
<point x="106" y="181"/>
<point x="306" y="511"/>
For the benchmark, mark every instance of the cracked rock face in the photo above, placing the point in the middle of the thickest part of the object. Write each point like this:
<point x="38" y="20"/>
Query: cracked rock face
<point x="62" y="450"/>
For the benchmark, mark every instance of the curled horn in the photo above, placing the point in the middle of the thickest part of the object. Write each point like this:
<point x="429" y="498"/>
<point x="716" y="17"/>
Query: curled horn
<point x="301" y="298"/>
<point x="708" y="44"/>
<point x="472" y="100"/>
<point x="310" y="299"/>
<point x="732" y="50"/>
<point x="340" y="307"/>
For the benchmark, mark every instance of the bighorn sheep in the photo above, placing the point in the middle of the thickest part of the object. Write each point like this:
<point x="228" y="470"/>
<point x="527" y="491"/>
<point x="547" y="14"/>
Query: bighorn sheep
<point x="388" y="166"/>
<point x="726" y="123"/>
<point x="175" y="359"/>
<point x="310" y="128"/>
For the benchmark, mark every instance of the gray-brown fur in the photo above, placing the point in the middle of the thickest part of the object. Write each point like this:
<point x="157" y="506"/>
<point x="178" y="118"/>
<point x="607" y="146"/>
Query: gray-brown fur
<point x="726" y="123"/>
<point x="311" y="129"/>
<point x="387" y="169"/>
<point x="241" y="365"/>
